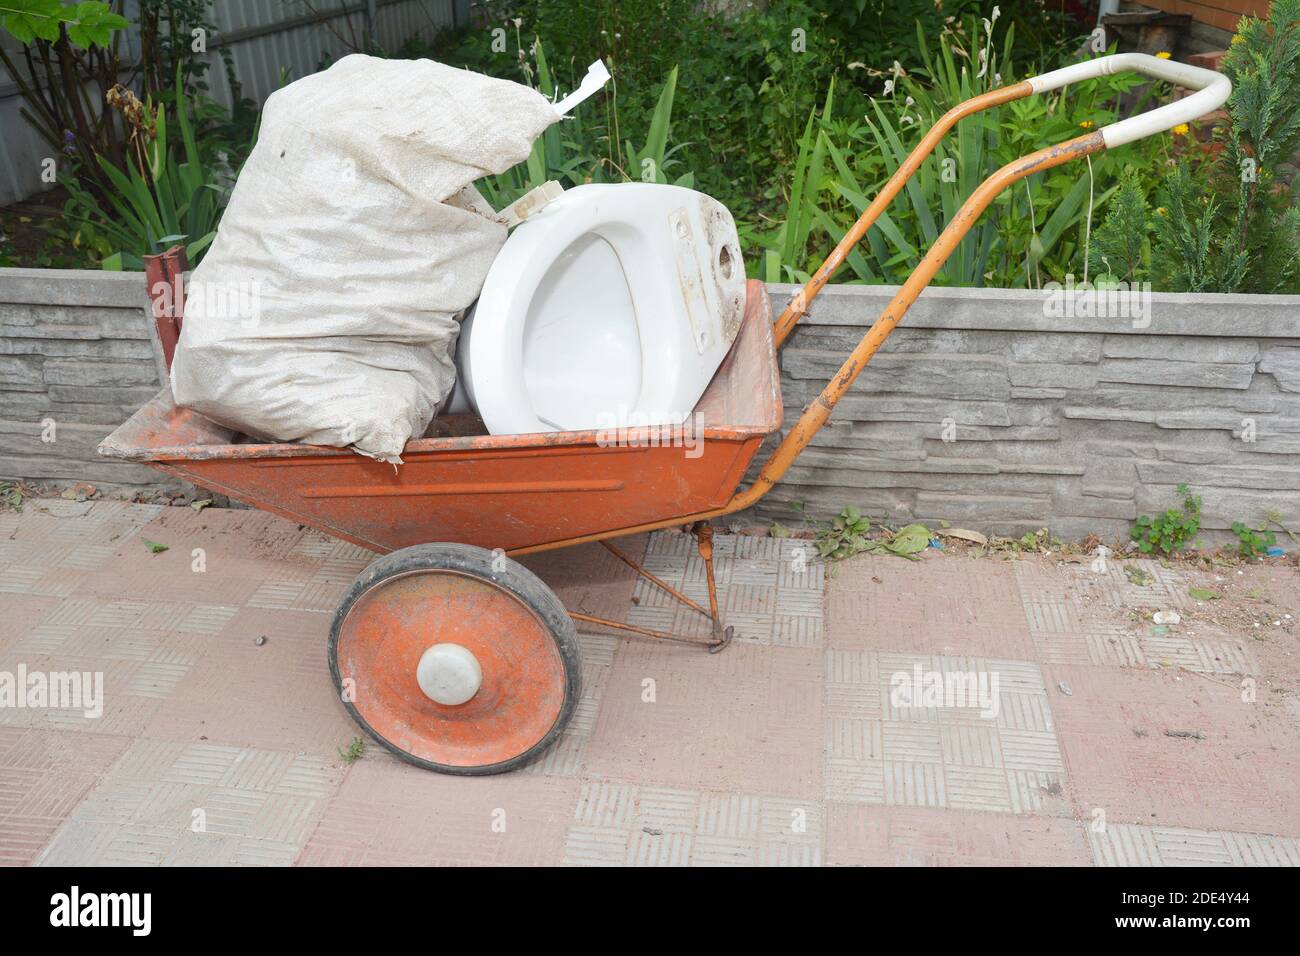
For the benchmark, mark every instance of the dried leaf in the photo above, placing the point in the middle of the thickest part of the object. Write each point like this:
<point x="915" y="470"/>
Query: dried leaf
<point x="964" y="534"/>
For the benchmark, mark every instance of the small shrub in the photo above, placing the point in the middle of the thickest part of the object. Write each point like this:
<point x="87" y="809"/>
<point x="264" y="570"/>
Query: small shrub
<point x="846" y="536"/>
<point x="1253" y="543"/>
<point x="1230" y="227"/>
<point x="1167" y="533"/>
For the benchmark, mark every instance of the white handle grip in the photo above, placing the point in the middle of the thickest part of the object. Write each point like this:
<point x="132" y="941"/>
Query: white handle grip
<point x="1212" y="92"/>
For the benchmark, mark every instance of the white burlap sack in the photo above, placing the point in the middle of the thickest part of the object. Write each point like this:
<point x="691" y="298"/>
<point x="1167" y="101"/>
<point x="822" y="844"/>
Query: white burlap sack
<point x="326" y="309"/>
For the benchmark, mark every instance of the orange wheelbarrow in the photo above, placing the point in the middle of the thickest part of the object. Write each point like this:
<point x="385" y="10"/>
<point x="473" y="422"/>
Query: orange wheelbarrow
<point x="445" y="650"/>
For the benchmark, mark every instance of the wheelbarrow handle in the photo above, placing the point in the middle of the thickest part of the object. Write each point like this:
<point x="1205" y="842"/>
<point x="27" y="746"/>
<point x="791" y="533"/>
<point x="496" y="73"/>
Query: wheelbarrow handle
<point x="1212" y="91"/>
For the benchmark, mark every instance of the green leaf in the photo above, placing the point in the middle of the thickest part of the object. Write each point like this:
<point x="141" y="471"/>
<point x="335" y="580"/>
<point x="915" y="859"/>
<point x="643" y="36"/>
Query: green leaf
<point x="154" y="547"/>
<point x="93" y="24"/>
<point x="29" y="20"/>
<point x="1204" y="594"/>
<point x="909" y="540"/>
<point x="657" y="138"/>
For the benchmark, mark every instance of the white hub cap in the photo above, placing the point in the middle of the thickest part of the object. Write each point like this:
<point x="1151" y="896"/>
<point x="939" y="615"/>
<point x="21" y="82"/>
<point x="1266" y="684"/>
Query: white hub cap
<point x="449" y="674"/>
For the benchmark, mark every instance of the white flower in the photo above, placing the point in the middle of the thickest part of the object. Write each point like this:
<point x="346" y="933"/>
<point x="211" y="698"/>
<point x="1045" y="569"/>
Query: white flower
<point x="889" y="87"/>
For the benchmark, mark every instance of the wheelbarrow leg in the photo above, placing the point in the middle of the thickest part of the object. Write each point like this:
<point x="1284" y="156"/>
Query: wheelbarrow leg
<point x="719" y="636"/>
<point x="704" y="540"/>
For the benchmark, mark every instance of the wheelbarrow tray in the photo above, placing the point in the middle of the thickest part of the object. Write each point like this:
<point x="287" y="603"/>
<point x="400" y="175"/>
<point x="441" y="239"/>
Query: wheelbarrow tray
<point x="494" y="491"/>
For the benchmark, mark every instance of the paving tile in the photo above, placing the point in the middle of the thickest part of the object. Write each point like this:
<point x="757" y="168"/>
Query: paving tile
<point x="273" y="696"/>
<point x="169" y="803"/>
<point x="391" y="813"/>
<point x="912" y="729"/>
<point x="859" y="835"/>
<point x="619" y="824"/>
<point x="44" y="775"/>
<point x="681" y="716"/>
<point x="1123" y="844"/>
<point x="946" y="605"/>
<point x="1114" y="737"/>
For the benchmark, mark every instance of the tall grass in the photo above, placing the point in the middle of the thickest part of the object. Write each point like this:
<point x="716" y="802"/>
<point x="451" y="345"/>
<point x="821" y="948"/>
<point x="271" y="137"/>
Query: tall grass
<point x="1030" y="234"/>
<point x="580" y="149"/>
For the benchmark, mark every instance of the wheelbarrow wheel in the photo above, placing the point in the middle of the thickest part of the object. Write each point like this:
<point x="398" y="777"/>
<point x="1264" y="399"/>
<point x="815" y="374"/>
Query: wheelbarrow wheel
<point x="456" y="659"/>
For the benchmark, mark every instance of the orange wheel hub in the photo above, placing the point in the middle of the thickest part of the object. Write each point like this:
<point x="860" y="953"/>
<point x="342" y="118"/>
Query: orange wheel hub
<point x="391" y="627"/>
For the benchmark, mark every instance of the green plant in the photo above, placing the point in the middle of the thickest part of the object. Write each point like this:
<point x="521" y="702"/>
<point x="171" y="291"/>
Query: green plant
<point x="79" y="44"/>
<point x="1167" y="533"/>
<point x="1139" y="576"/>
<point x="846" y="536"/>
<point x="578" y="150"/>
<point x="1120" y="243"/>
<point x="12" y="494"/>
<point x="354" y="751"/>
<point x="1253" y="543"/>
<point x="165" y="196"/>
<point x="1032" y="233"/>
<point x="1274" y="517"/>
<point x="168" y="31"/>
<point x="1229" y="226"/>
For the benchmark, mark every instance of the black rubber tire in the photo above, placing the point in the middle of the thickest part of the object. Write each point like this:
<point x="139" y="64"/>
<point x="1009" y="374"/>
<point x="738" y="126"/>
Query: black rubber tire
<point x="514" y="577"/>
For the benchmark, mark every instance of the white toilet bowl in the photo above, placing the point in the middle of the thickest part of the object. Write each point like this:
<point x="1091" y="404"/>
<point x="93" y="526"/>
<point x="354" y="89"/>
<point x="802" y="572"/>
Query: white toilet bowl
<point x="613" y="306"/>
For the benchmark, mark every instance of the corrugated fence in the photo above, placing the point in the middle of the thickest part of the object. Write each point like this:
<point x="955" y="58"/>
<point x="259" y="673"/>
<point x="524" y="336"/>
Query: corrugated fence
<point x="265" y="38"/>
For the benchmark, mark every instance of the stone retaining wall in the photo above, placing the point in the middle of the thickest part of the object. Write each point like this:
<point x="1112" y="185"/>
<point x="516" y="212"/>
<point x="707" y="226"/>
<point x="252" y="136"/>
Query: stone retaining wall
<point x="984" y="410"/>
<point x="76" y="360"/>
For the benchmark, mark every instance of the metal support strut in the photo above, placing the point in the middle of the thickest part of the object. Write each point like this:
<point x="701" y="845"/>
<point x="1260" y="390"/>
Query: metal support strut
<point x="720" y="635"/>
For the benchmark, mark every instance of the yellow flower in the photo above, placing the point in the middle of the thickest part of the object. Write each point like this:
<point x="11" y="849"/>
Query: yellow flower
<point x="1163" y="55"/>
<point x="1180" y="129"/>
<point x="1160" y="210"/>
<point x="1086" y="124"/>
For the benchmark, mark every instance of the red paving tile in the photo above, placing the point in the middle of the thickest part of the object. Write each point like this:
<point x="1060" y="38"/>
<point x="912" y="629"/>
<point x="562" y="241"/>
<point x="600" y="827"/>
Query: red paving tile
<point x="389" y="813"/>
<point x="44" y="775"/>
<point x="1114" y="731"/>
<point x="22" y="613"/>
<point x="947" y="605"/>
<point x="748" y="719"/>
<point x="276" y="695"/>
